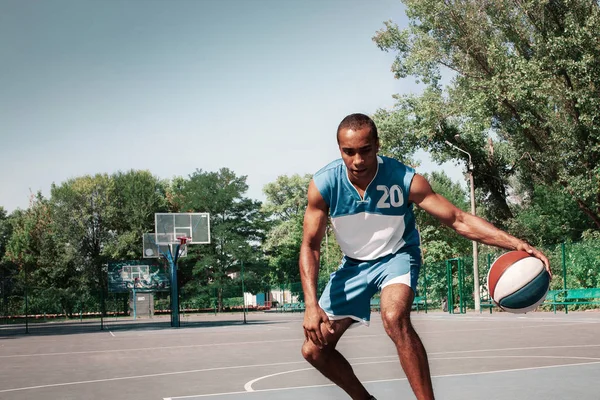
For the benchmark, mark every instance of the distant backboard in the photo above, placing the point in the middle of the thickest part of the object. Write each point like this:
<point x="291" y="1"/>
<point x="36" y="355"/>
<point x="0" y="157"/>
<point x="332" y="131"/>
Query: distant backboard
<point x="150" y="276"/>
<point x="191" y="225"/>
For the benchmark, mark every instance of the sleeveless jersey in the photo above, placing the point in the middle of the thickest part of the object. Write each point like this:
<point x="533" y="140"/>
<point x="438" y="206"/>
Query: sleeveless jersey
<point x="379" y="224"/>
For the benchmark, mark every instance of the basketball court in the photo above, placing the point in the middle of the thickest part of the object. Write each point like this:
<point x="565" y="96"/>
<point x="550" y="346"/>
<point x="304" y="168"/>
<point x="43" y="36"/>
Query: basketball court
<point x="472" y="356"/>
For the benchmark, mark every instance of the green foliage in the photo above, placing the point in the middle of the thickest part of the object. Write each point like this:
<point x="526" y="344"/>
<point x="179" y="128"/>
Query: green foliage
<point x="286" y="197"/>
<point x="286" y="203"/>
<point x="523" y="95"/>
<point x="237" y="229"/>
<point x="583" y="262"/>
<point x="549" y="216"/>
<point x="83" y="209"/>
<point x="47" y="270"/>
<point x="137" y="196"/>
<point x="439" y="242"/>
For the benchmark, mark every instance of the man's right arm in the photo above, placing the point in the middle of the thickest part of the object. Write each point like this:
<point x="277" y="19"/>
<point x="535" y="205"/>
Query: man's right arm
<point x="315" y="222"/>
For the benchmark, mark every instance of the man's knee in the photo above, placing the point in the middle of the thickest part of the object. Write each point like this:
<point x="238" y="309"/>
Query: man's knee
<point x="312" y="353"/>
<point x="395" y="320"/>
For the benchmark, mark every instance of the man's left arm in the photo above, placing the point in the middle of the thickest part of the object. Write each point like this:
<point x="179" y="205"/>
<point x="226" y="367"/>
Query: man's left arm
<point x="466" y="224"/>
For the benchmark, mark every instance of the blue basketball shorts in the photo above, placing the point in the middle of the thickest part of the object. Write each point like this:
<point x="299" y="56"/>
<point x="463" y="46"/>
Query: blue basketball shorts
<point x="353" y="284"/>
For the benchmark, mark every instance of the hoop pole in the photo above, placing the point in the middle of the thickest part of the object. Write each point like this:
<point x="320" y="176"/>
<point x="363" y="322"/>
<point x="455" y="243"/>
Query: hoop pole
<point x="134" y="303"/>
<point x="174" y="289"/>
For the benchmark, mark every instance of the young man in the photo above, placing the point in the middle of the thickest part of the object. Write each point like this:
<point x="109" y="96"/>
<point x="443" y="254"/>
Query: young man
<point x="369" y="199"/>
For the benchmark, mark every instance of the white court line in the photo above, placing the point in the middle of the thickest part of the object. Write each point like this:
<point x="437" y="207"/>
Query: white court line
<point x="298" y="340"/>
<point x="383" y="380"/>
<point x="346" y="338"/>
<point x="121" y="378"/>
<point x="485" y="318"/>
<point x="248" y="385"/>
<point x="194" y="330"/>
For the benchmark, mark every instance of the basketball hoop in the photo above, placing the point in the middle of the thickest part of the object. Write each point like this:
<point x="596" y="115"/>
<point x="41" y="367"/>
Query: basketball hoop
<point x="182" y="246"/>
<point x="183" y="240"/>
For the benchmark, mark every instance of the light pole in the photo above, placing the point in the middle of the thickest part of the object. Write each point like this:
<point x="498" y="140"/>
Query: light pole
<point x="475" y="252"/>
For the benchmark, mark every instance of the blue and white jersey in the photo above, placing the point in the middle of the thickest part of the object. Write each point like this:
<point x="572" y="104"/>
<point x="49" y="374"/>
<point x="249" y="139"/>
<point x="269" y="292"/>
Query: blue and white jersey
<point x="380" y="223"/>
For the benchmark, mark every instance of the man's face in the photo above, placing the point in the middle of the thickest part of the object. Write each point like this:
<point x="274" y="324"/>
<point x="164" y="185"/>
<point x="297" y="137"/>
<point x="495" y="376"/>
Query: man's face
<point x="359" y="152"/>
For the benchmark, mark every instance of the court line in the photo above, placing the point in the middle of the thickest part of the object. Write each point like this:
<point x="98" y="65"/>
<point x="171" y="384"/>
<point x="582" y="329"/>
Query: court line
<point x="346" y="338"/>
<point x="193" y="330"/>
<point x="121" y="378"/>
<point x="248" y="385"/>
<point x="298" y="340"/>
<point x="383" y="380"/>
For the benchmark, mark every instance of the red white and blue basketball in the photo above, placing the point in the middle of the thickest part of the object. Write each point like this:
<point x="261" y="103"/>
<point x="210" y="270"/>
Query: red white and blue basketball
<point x="518" y="282"/>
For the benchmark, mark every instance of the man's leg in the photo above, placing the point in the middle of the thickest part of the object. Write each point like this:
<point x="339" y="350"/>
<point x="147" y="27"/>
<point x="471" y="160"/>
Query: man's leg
<point x="332" y="364"/>
<point x="396" y="302"/>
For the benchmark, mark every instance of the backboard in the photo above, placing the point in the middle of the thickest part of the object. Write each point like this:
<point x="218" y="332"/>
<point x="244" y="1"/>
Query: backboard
<point x="123" y="276"/>
<point x="195" y="226"/>
<point x="160" y="244"/>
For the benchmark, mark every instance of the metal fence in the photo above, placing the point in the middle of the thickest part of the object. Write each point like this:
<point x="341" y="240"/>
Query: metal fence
<point x="51" y="310"/>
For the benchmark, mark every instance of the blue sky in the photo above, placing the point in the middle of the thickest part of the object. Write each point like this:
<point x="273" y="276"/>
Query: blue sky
<point x="257" y="86"/>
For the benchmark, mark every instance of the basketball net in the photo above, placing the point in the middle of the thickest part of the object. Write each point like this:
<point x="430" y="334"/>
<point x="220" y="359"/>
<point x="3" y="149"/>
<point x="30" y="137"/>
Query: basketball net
<point x="183" y="244"/>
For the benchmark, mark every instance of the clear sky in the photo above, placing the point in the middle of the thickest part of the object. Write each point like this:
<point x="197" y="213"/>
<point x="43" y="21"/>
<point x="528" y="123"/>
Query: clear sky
<point x="258" y="86"/>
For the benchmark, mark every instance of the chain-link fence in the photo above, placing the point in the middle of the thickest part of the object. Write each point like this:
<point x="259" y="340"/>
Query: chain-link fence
<point x="44" y="310"/>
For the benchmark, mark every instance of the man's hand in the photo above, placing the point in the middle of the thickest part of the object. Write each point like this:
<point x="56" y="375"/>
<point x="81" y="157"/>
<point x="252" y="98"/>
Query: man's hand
<point x="524" y="246"/>
<point x="314" y="316"/>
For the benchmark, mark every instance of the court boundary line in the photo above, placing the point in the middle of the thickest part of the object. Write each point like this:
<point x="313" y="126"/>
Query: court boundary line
<point x="248" y="385"/>
<point x="346" y="338"/>
<point x="120" y="378"/>
<point x="383" y="380"/>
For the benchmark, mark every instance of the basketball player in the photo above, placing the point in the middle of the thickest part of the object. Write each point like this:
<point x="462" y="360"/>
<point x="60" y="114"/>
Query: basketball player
<point x="370" y="199"/>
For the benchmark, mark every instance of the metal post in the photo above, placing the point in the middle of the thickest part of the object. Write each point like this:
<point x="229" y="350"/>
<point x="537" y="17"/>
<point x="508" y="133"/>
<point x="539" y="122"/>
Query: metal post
<point x="425" y="285"/>
<point x="102" y="307"/>
<point x="461" y="277"/>
<point x="215" y="300"/>
<point x="475" y="251"/>
<point x="564" y="269"/>
<point x="476" y="294"/>
<point x="174" y="291"/>
<point x="134" y="301"/>
<point x="450" y="299"/>
<point x="26" y="305"/>
<point x="243" y="293"/>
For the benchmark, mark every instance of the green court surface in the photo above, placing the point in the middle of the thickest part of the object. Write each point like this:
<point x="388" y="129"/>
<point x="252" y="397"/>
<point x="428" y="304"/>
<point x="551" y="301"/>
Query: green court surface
<point x="472" y="356"/>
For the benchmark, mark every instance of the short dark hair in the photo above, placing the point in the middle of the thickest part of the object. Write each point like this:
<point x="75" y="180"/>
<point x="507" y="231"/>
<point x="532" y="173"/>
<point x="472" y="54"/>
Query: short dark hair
<point x="357" y="121"/>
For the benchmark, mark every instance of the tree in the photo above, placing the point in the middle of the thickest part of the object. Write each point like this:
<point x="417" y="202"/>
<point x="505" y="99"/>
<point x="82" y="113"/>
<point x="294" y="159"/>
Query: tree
<point x="439" y="242"/>
<point x="47" y="274"/>
<point x="549" y="216"/>
<point x="137" y="196"/>
<point x="237" y="230"/>
<point x="83" y="209"/>
<point x="285" y="203"/>
<point x="7" y="268"/>
<point x="524" y="97"/>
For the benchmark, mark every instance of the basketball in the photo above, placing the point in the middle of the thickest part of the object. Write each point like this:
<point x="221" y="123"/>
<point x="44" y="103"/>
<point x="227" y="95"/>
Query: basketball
<point x="518" y="282"/>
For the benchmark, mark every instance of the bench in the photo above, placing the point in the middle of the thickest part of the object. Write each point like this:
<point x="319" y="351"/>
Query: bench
<point x="590" y="296"/>
<point x="417" y="302"/>
<point x="375" y="305"/>
<point x="486" y="303"/>
<point x="551" y="299"/>
<point x="293" y="307"/>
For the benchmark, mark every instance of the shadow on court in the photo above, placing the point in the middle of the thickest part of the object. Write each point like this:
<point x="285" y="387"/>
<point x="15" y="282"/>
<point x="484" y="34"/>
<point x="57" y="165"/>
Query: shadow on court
<point x="538" y="356"/>
<point x="72" y="327"/>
